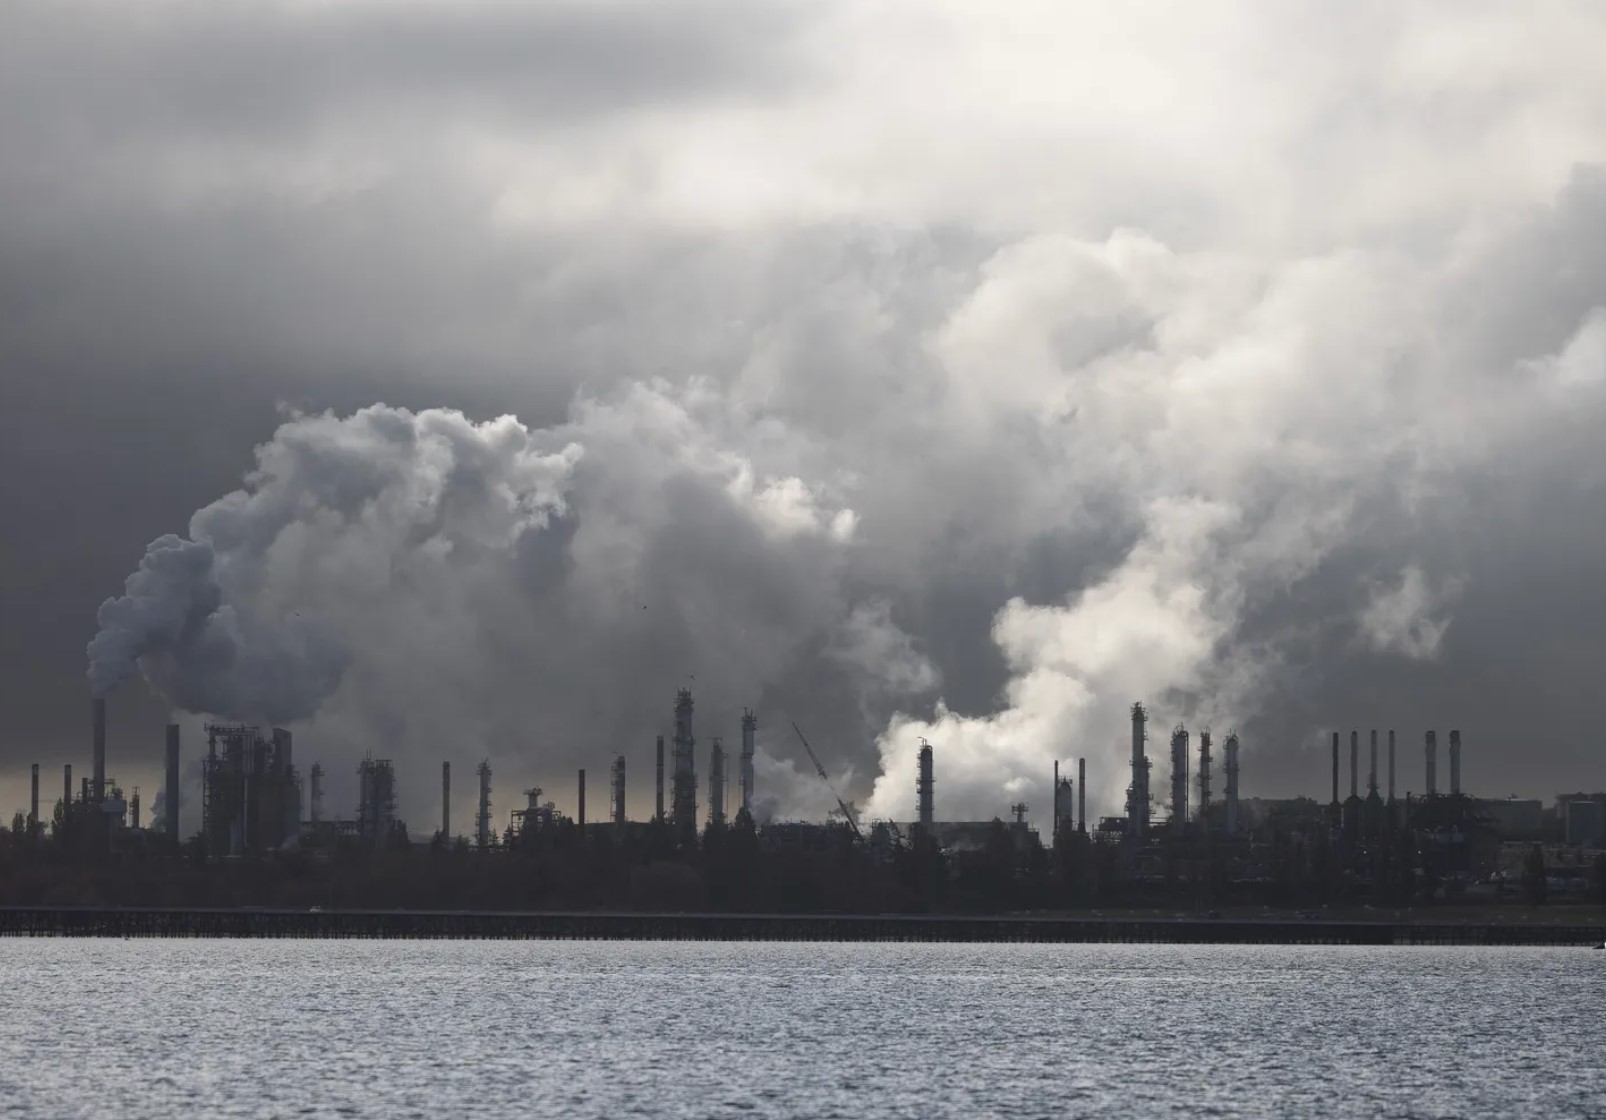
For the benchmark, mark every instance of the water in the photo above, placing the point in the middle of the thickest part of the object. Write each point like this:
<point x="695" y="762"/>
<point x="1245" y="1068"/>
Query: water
<point x="616" y="1029"/>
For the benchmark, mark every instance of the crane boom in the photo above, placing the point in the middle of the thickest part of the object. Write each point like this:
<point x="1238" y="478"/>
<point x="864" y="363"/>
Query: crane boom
<point x="848" y="813"/>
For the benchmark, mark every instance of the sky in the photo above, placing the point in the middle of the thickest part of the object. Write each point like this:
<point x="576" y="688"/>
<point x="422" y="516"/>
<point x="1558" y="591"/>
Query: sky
<point x="450" y="381"/>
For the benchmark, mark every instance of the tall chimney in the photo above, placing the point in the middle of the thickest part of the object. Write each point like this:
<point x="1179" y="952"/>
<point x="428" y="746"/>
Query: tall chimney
<point x="658" y="814"/>
<point x="1232" y="783"/>
<point x="97" y="786"/>
<point x="1431" y="749"/>
<point x="33" y="802"/>
<point x="1354" y="763"/>
<point x="716" y="781"/>
<point x="1455" y="763"/>
<point x="446" y="802"/>
<point x="1391" y="766"/>
<point x="170" y="787"/>
<point x="582" y="802"/>
<point x="619" y="793"/>
<point x="1371" y="776"/>
<point x="1335" y="768"/>
<point x="924" y="784"/>
<point x="1081" y="793"/>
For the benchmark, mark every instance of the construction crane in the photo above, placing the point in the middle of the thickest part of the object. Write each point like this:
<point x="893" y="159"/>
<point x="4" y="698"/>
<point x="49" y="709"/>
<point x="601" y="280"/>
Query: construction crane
<point x="847" y="810"/>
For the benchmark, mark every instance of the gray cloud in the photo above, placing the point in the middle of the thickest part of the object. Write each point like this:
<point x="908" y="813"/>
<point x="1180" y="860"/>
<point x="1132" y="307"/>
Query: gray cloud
<point x="766" y="264"/>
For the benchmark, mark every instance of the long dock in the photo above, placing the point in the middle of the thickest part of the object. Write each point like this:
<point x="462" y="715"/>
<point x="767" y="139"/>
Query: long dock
<point x="21" y="921"/>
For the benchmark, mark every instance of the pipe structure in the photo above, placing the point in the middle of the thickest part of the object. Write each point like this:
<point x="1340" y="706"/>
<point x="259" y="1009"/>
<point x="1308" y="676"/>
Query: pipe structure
<point x="98" y="785"/>
<point x="1431" y="750"/>
<point x="924" y="789"/>
<point x="170" y="787"/>
<point x="446" y="802"/>
<point x="1232" y="783"/>
<point x="658" y="811"/>
<point x="1081" y="794"/>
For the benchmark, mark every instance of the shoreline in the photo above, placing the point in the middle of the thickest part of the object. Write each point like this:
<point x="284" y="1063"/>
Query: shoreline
<point x="50" y="921"/>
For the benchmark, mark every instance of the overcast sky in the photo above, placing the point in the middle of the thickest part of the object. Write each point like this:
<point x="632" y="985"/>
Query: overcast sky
<point x="904" y="369"/>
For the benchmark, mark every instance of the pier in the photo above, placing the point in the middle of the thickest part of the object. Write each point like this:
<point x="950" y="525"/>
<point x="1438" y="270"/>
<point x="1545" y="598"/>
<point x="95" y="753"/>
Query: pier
<point x="601" y="926"/>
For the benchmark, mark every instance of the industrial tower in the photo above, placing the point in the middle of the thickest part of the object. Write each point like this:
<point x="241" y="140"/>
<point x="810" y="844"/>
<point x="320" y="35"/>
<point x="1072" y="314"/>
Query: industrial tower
<point x="1232" y="783"/>
<point x="1431" y="749"/>
<point x="749" y="737"/>
<point x="1179" y="778"/>
<point x="619" y="792"/>
<point x="482" y="822"/>
<point x="1137" y="794"/>
<point x="716" y="782"/>
<point x="1204" y="779"/>
<point x="924" y="790"/>
<point x="684" y="790"/>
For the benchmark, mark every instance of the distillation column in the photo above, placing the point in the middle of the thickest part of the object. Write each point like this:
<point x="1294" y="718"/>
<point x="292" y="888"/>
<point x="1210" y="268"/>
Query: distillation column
<point x="1081" y="794"/>
<point x="1179" y="778"/>
<point x="33" y="802"/>
<point x="446" y="802"/>
<point x="1137" y="794"/>
<point x="1371" y="774"/>
<point x="658" y="811"/>
<point x="1335" y="769"/>
<point x="1204" y="779"/>
<point x="97" y="788"/>
<point x="1391" y="766"/>
<point x="482" y="824"/>
<point x="1355" y="764"/>
<point x="684" y="791"/>
<point x="619" y="792"/>
<point x="749" y="748"/>
<point x="716" y="781"/>
<point x="1455" y="763"/>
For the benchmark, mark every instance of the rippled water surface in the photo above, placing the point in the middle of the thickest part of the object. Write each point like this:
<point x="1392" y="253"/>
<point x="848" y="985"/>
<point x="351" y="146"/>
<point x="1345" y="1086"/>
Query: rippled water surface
<point x="614" y="1029"/>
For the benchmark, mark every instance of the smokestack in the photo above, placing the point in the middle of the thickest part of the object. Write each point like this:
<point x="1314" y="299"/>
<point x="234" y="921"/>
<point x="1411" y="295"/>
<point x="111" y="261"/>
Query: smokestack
<point x="924" y="785"/>
<point x="1455" y="763"/>
<point x="98" y="785"/>
<point x="170" y="786"/>
<point x="446" y="802"/>
<point x="1354" y="763"/>
<point x="658" y="813"/>
<point x="619" y="793"/>
<point x="582" y="802"/>
<point x="482" y="824"/>
<point x="1335" y="768"/>
<point x="1081" y="793"/>
<point x="1232" y="783"/>
<point x="1430" y="750"/>
<point x="33" y="802"/>
<point x="749" y="747"/>
<point x="1391" y="766"/>
<point x="1371" y="775"/>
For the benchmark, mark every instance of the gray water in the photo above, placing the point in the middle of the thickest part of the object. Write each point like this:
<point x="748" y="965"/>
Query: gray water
<point x="617" y="1029"/>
